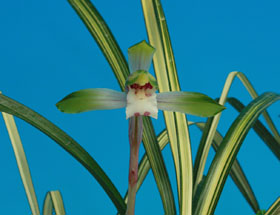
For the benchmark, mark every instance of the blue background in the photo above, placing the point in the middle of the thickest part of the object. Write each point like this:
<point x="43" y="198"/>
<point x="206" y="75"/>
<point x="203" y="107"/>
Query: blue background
<point x="46" y="52"/>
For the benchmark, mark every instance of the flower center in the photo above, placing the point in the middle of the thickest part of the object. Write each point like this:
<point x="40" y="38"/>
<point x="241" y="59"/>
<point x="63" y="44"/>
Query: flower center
<point x="141" y="100"/>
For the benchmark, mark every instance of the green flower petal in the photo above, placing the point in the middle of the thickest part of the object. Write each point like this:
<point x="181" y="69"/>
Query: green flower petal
<point x="140" y="56"/>
<point x="188" y="102"/>
<point x="92" y="99"/>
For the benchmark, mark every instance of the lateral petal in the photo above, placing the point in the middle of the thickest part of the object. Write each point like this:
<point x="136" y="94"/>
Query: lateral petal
<point x="188" y="102"/>
<point x="92" y="99"/>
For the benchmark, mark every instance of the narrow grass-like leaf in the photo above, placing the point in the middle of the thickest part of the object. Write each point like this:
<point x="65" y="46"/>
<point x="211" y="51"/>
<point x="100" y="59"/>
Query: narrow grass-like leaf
<point x="176" y="123"/>
<point x="260" y="129"/>
<point x="22" y="163"/>
<point x="227" y="153"/>
<point x="200" y="161"/>
<point x="108" y="45"/>
<point x="274" y="209"/>
<point x="156" y="160"/>
<point x="104" y="38"/>
<point x="236" y="172"/>
<point x="53" y="202"/>
<point x="12" y="107"/>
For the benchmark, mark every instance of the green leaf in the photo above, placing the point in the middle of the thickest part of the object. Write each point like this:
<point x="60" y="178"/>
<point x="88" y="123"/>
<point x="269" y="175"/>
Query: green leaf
<point x="157" y="163"/>
<point x="108" y="45"/>
<point x="260" y="129"/>
<point x="261" y="212"/>
<point x="144" y="165"/>
<point x="274" y="209"/>
<point x="236" y="172"/>
<point x="21" y="162"/>
<point x="176" y="123"/>
<point x="227" y="153"/>
<point x="104" y="38"/>
<point x="188" y="102"/>
<point x="66" y="142"/>
<point x="53" y="202"/>
<point x="201" y="161"/>
<point x="140" y="56"/>
<point x="92" y="99"/>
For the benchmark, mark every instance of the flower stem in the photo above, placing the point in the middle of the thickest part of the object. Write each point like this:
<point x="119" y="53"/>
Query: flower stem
<point x="135" y="138"/>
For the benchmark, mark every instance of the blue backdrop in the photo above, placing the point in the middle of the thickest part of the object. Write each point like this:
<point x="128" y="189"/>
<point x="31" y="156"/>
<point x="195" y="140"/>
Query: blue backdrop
<point x="46" y="52"/>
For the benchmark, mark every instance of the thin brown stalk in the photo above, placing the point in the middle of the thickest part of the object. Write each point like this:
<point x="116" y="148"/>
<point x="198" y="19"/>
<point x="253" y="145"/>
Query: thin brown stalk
<point x="135" y="138"/>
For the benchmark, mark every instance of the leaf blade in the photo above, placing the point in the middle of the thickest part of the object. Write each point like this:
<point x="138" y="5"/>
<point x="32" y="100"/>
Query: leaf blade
<point x="66" y="142"/>
<point x="22" y="163"/>
<point x="53" y="201"/>
<point x="98" y="28"/>
<point x="227" y="153"/>
<point x="260" y="129"/>
<point x="236" y="172"/>
<point x="274" y="209"/>
<point x="201" y="161"/>
<point x="176" y="123"/>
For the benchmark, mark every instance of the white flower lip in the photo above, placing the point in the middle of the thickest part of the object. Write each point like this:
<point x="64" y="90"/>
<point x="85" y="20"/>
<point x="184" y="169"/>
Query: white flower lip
<point x="141" y="100"/>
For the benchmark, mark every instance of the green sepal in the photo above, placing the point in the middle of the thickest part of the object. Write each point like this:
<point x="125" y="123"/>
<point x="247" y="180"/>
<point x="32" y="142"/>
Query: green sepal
<point x="140" y="56"/>
<point x="92" y="99"/>
<point x="192" y="103"/>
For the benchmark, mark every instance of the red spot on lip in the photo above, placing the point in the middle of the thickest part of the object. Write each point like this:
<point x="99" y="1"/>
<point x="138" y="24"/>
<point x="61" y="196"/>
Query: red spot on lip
<point x="134" y="86"/>
<point x="150" y="86"/>
<point x="145" y="87"/>
<point x="147" y="113"/>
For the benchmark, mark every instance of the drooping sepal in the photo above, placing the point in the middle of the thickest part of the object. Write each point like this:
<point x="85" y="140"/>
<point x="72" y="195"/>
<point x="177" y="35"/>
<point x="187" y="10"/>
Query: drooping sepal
<point x="92" y="99"/>
<point x="140" y="56"/>
<point x="192" y="103"/>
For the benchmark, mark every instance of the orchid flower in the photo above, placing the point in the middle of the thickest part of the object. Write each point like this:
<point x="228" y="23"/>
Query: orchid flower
<point x="140" y="99"/>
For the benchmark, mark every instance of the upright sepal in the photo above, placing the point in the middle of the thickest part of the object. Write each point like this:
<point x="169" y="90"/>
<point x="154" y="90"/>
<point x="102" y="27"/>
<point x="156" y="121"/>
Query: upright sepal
<point x="140" y="56"/>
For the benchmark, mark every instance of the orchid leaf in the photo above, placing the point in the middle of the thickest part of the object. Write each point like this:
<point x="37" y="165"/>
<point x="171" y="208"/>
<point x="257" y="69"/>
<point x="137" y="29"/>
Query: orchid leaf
<point x="12" y="107"/>
<point x="92" y="99"/>
<point x="188" y="102"/>
<point x="104" y="38"/>
<point x="22" y="163"/>
<point x="157" y="163"/>
<point x="274" y="209"/>
<point x="140" y="56"/>
<point x="236" y="172"/>
<point x="53" y="202"/>
<point x="227" y="153"/>
<point x="108" y="45"/>
<point x="260" y="129"/>
<point x="176" y="123"/>
<point x="201" y="161"/>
